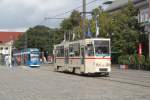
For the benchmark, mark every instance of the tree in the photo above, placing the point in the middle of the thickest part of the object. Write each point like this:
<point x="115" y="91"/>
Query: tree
<point x="37" y="37"/>
<point x="71" y="25"/>
<point x="126" y="30"/>
<point x="104" y="21"/>
<point x="121" y="26"/>
<point x="75" y="18"/>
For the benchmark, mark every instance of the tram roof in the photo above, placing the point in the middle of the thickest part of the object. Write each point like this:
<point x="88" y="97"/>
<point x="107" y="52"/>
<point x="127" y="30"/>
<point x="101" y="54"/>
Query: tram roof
<point x="79" y="41"/>
<point x="98" y="39"/>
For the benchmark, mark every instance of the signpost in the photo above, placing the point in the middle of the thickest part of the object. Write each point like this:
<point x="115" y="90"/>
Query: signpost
<point x="140" y="54"/>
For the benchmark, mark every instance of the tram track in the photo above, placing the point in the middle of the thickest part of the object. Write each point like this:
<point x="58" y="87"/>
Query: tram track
<point x="135" y="75"/>
<point x="135" y="79"/>
<point x="124" y="79"/>
<point x="122" y="82"/>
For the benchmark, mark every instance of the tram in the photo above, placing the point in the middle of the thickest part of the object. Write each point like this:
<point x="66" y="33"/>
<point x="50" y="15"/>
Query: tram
<point x="29" y="57"/>
<point x="87" y="56"/>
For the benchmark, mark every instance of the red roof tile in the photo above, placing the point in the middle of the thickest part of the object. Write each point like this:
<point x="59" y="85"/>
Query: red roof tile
<point x="7" y="36"/>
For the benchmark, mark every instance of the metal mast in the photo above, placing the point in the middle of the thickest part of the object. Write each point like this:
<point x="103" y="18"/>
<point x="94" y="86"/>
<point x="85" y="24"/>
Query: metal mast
<point x="84" y="17"/>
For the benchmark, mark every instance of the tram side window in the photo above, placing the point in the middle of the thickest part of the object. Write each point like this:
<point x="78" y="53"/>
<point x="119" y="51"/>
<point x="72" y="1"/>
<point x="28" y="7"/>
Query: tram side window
<point x="71" y="51"/>
<point x="90" y="50"/>
<point x="60" y="51"/>
<point x="29" y="57"/>
<point x="76" y="49"/>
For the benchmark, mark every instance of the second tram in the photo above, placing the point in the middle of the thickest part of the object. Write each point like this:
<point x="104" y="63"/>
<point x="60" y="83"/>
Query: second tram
<point x="87" y="56"/>
<point x="29" y="57"/>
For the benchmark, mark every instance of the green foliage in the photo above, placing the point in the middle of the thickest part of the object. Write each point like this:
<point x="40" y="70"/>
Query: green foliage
<point x="125" y="29"/>
<point x="58" y="36"/>
<point x="37" y="37"/>
<point x="66" y="24"/>
<point x="135" y="59"/>
<point x="72" y="25"/>
<point x="44" y="38"/>
<point x="121" y="26"/>
<point x="106" y="26"/>
<point x="146" y="66"/>
<point x="124" y="60"/>
<point x="20" y="43"/>
<point x="99" y="15"/>
<point x="75" y="18"/>
<point x="139" y="62"/>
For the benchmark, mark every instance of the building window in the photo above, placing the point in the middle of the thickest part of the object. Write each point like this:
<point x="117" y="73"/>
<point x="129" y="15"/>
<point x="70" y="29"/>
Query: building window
<point x="144" y="15"/>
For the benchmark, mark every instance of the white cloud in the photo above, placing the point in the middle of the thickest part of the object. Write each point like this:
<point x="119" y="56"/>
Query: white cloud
<point x="26" y="13"/>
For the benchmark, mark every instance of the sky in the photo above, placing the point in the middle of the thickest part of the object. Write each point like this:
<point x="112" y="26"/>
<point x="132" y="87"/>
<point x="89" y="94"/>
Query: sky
<point x="19" y="15"/>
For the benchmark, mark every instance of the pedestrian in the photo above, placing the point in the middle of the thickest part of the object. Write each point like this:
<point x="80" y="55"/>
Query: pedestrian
<point x="7" y="60"/>
<point x="13" y="61"/>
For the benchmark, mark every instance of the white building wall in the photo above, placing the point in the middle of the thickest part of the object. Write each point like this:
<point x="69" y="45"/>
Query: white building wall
<point x="144" y="16"/>
<point x="6" y="50"/>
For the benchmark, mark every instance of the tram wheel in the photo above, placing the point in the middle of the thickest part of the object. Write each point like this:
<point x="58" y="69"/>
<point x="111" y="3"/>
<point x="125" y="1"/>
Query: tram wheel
<point x="73" y="71"/>
<point x="57" y="68"/>
<point x="107" y="74"/>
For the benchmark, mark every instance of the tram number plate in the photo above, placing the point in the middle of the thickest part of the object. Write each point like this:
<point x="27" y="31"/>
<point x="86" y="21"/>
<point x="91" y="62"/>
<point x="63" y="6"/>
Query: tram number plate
<point x="103" y="69"/>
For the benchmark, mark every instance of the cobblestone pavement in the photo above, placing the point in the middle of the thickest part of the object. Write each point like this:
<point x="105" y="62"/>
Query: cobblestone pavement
<point x="21" y="83"/>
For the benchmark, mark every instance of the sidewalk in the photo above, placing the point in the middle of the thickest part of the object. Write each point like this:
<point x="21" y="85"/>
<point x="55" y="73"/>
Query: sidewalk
<point x="12" y="67"/>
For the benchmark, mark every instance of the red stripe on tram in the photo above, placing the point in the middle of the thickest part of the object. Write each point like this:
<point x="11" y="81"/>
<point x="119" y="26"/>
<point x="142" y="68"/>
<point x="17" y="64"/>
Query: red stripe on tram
<point x="74" y="58"/>
<point x="99" y="58"/>
<point x="86" y="58"/>
<point x="59" y="58"/>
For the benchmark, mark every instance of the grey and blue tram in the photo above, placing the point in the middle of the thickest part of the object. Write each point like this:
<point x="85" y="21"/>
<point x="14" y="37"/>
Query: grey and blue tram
<point x="29" y="57"/>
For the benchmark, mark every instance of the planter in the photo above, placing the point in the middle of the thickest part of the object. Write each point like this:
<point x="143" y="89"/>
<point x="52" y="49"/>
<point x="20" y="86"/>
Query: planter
<point x="139" y="67"/>
<point x="123" y="66"/>
<point x="133" y="66"/>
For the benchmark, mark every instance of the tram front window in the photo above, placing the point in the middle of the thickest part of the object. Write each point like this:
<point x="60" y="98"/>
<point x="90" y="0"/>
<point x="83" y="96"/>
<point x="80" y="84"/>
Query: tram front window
<point x="101" y="47"/>
<point x="34" y="55"/>
<point x="90" y="50"/>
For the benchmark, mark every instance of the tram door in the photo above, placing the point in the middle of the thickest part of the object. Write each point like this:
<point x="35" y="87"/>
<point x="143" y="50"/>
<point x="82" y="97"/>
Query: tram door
<point x="82" y="55"/>
<point x="66" y="59"/>
<point x="66" y="56"/>
<point x="82" y="68"/>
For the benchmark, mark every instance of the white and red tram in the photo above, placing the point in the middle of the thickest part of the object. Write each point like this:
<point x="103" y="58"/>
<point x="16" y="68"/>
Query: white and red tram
<point x="87" y="56"/>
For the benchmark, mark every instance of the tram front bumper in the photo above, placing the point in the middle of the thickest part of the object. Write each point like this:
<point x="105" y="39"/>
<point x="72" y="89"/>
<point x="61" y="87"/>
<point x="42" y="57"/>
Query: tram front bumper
<point x="104" y="69"/>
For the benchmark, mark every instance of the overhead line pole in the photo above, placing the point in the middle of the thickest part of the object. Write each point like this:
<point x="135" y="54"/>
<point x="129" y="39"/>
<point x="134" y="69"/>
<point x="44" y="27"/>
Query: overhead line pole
<point x="84" y="17"/>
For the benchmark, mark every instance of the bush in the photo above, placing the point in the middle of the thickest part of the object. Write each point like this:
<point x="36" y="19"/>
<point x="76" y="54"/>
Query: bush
<point x="147" y="64"/>
<point x="148" y="61"/>
<point x="136" y="60"/>
<point x="124" y="59"/>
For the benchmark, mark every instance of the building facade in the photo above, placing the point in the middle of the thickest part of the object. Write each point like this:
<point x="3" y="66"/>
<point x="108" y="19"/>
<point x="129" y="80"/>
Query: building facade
<point x="6" y="45"/>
